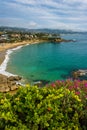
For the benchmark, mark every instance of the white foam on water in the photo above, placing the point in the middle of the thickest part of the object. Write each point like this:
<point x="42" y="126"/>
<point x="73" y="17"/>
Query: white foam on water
<point x="3" y="66"/>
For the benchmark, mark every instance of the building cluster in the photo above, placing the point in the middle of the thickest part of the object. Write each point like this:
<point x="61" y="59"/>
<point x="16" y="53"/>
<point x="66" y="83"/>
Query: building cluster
<point x="10" y="37"/>
<point x="3" y="37"/>
<point x="15" y="37"/>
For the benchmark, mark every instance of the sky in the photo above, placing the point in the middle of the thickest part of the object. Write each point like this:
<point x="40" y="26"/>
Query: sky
<point x="53" y="14"/>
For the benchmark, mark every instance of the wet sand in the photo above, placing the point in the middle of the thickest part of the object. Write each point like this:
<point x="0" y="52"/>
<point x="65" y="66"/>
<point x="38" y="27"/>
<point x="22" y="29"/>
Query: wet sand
<point x="2" y="56"/>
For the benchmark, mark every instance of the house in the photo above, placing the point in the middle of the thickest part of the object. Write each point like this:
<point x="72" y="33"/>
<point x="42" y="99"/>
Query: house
<point x="3" y="38"/>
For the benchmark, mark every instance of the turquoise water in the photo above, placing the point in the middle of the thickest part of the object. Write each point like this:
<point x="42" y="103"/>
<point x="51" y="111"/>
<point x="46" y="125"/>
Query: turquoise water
<point x="50" y="61"/>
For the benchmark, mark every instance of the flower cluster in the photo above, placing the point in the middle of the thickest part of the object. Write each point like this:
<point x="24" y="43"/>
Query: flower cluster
<point x="76" y="86"/>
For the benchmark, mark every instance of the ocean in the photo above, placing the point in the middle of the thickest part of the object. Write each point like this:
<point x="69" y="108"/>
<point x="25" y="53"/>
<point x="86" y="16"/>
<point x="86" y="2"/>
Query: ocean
<point x="49" y="61"/>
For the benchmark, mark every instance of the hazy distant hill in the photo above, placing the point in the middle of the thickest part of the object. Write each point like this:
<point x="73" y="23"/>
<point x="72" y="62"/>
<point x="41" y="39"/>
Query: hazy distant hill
<point x="16" y="29"/>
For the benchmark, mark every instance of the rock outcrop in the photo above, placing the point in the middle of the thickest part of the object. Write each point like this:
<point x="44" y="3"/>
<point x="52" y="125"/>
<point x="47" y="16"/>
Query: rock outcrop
<point x="62" y="40"/>
<point x="79" y="73"/>
<point x="59" y="40"/>
<point x="8" y="83"/>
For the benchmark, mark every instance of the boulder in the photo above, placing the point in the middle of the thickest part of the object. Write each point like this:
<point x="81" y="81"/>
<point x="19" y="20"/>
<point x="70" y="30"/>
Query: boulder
<point x="14" y="78"/>
<point x="14" y="87"/>
<point x="8" y="83"/>
<point x="3" y="79"/>
<point x="11" y="83"/>
<point x="3" y="85"/>
<point x="7" y="89"/>
<point x="4" y="89"/>
<point x="79" y="73"/>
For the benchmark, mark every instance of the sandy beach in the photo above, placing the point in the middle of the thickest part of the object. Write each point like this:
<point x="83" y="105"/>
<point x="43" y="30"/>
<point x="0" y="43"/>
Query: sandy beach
<point x="2" y="56"/>
<point x="5" y="46"/>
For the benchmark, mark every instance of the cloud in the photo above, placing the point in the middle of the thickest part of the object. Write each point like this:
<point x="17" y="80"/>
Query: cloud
<point x="48" y="13"/>
<point x="17" y="22"/>
<point x="32" y="24"/>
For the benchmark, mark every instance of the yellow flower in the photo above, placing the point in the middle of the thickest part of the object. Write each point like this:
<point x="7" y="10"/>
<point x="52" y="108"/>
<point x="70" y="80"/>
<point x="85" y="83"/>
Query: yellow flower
<point x="77" y="98"/>
<point x="20" y="86"/>
<point x="27" y="85"/>
<point x="76" y="128"/>
<point x="2" y="101"/>
<point x="17" y="99"/>
<point x="70" y="109"/>
<point x="61" y="95"/>
<point x="68" y="91"/>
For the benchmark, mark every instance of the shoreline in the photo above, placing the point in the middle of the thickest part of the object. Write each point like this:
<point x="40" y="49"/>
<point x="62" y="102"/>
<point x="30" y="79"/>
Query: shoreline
<point x="10" y="82"/>
<point x="4" y="47"/>
<point x="2" y="56"/>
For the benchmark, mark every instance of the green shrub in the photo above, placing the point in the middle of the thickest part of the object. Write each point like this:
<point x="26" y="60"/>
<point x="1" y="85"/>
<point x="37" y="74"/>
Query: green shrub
<point x="47" y="108"/>
<point x="80" y="89"/>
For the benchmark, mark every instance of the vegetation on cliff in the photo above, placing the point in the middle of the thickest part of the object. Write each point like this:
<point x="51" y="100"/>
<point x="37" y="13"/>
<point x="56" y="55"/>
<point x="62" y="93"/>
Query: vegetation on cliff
<point x="61" y="105"/>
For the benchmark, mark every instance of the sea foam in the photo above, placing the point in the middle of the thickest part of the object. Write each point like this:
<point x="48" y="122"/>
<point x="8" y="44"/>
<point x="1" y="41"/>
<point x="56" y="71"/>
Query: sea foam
<point x="3" y="66"/>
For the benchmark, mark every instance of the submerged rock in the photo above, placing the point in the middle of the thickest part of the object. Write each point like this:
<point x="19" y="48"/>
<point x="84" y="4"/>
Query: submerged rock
<point x="40" y="83"/>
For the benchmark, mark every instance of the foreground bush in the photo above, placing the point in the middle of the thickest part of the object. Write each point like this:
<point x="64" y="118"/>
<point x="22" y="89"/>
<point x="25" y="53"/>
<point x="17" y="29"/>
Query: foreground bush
<point x="47" y="108"/>
<point x="80" y="89"/>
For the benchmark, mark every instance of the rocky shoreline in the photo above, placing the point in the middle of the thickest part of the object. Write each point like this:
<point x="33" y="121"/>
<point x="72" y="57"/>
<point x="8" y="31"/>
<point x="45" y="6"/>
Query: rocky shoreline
<point x="9" y="83"/>
<point x="79" y="73"/>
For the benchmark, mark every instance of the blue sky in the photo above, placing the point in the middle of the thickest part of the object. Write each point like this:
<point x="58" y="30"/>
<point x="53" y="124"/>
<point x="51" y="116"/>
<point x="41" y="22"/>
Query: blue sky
<point x="55" y="14"/>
